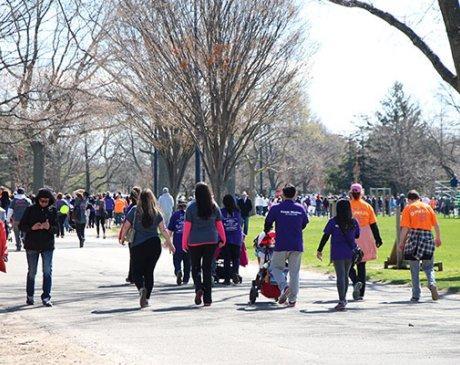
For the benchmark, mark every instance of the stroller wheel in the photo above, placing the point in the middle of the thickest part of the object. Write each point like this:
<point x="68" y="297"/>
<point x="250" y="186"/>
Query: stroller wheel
<point x="253" y="294"/>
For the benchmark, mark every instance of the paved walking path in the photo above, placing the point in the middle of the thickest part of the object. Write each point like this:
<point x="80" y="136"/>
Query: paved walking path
<point x="96" y="319"/>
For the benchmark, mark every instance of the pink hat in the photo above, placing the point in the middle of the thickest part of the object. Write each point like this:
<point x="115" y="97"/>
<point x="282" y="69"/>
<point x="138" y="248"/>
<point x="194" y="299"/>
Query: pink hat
<point x="356" y="188"/>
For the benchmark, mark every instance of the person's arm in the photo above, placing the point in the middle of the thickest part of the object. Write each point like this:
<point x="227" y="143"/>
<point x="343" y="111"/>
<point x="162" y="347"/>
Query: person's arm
<point x="221" y="232"/>
<point x="124" y="228"/>
<point x="305" y="220"/>
<point x="186" y="234"/>
<point x="269" y="220"/>
<point x="402" y="238"/>
<point x="167" y="237"/>
<point x="376" y="234"/>
<point x="319" y="251"/>
<point x="25" y="224"/>
<point x="437" y="239"/>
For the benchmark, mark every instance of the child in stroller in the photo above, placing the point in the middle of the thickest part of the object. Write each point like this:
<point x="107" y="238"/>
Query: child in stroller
<point x="264" y="245"/>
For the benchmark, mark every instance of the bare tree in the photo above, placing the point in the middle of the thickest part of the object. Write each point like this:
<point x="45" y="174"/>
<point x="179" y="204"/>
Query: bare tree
<point x="450" y="10"/>
<point x="48" y="73"/>
<point x="225" y="66"/>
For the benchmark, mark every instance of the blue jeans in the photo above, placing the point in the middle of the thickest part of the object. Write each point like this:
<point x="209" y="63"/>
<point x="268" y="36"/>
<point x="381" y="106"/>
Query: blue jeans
<point x="245" y="225"/>
<point x="427" y="266"/>
<point x="47" y="264"/>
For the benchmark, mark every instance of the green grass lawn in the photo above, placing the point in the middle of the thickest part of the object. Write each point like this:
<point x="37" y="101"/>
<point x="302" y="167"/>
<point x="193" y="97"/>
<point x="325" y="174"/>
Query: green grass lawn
<point x="448" y="253"/>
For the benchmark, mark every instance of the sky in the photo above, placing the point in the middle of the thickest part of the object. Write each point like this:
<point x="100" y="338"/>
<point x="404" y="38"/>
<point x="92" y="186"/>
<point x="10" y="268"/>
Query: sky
<point x="359" y="57"/>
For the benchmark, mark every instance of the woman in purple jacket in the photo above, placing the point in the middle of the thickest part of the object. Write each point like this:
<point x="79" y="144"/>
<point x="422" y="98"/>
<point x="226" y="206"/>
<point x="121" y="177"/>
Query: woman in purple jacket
<point x="232" y="221"/>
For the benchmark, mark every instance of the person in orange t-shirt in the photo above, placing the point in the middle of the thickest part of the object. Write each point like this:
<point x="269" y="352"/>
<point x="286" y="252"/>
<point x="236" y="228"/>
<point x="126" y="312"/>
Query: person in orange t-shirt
<point x="417" y="243"/>
<point x="119" y="209"/>
<point x="369" y="239"/>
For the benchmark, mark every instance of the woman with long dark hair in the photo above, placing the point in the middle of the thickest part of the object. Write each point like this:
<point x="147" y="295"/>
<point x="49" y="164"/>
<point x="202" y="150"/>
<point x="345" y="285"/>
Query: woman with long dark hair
<point x="145" y="218"/>
<point x="344" y="230"/>
<point x="134" y="197"/>
<point x="232" y="221"/>
<point x="203" y="231"/>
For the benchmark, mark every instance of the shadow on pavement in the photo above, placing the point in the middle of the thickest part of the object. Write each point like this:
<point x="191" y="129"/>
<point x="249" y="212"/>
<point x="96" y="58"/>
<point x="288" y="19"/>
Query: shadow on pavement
<point x="117" y="310"/>
<point x="176" y="309"/>
<point x="404" y="302"/>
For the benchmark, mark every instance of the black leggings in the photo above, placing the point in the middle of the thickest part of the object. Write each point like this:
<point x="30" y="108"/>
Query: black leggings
<point x="80" y="228"/>
<point x="61" y="220"/>
<point x="231" y="255"/>
<point x="359" y="274"/>
<point x="100" y="220"/>
<point x="144" y="260"/>
<point x="201" y="262"/>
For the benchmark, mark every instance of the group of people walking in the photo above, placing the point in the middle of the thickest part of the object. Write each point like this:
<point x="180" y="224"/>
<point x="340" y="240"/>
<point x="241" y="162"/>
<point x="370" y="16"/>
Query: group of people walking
<point x="197" y="230"/>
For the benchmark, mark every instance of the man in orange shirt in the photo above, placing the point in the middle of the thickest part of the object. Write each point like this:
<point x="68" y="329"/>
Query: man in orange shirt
<point x="119" y="209"/>
<point x="418" y="219"/>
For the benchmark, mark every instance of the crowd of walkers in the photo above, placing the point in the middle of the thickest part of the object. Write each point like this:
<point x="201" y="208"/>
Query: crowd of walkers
<point x="199" y="233"/>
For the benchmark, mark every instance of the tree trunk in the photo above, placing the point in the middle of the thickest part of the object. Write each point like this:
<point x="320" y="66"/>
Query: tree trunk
<point x="87" y="170"/>
<point x="163" y="175"/>
<point x="38" y="149"/>
<point x="450" y="10"/>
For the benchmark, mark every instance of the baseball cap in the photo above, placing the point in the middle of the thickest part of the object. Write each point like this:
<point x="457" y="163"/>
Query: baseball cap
<point x="356" y="188"/>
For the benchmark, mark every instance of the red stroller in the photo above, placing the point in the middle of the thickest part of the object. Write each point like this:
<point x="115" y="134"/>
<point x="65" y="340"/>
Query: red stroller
<point x="264" y="245"/>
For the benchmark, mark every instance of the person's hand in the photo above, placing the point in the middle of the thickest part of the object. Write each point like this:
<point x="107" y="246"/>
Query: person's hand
<point x="46" y="225"/>
<point x="437" y="241"/>
<point x="221" y="244"/>
<point x="36" y="227"/>
<point x="378" y="244"/>
<point x="121" y="242"/>
<point x="5" y="258"/>
<point x="171" y="248"/>
<point x="401" y="246"/>
<point x="319" y="255"/>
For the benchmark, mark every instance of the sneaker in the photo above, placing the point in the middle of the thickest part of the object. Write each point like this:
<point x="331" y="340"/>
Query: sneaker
<point x="284" y="295"/>
<point x="340" y="307"/>
<point x="414" y="300"/>
<point x="207" y="304"/>
<point x="30" y="301"/>
<point x="97" y="236"/>
<point x="198" y="297"/>
<point x="226" y="282"/>
<point x="103" y="237"/>
<point x="47" y="302"/>
<point x="290" y="304"/>
<point x="434" y="292"/>
<point x="357" y="290"/>
<point x="143" y="298"/>
<point x="236" y="279"/>
<point x="179" y="278"/>
<point x="62" y="236"/>
<point x="185" y="281"/>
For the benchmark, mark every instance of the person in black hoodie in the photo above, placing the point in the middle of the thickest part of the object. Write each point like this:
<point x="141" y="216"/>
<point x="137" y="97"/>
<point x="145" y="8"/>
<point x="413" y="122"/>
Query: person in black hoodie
<point x="39" y="223"/>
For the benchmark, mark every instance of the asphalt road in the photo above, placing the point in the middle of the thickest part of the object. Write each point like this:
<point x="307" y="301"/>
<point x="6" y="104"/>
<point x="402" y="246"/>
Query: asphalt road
<point x="97" y="311"/>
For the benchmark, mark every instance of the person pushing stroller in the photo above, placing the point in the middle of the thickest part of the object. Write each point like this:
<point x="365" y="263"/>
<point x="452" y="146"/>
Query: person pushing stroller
<point x="290" y="219"/>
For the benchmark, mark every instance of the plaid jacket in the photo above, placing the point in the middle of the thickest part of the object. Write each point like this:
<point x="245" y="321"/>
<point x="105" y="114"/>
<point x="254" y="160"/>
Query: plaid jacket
<point x="420" y="245"/>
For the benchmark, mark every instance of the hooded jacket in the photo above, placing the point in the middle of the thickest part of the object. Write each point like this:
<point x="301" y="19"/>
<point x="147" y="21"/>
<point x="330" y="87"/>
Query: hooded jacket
<point x="17" y="207"/>
<point x="40" y="240"/>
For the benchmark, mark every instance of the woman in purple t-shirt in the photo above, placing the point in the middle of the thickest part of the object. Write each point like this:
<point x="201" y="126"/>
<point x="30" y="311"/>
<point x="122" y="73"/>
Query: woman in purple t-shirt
<point x="344" y="231"/>
<point x="231" y="219"/>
